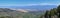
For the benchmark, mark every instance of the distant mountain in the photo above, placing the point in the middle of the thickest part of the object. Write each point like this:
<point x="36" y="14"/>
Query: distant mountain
<point x="37" y="7"/>
<point x="32" y="10"/>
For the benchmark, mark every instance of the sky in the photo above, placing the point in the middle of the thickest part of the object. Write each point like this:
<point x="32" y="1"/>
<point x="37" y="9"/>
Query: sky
<point x="28" y="2"/>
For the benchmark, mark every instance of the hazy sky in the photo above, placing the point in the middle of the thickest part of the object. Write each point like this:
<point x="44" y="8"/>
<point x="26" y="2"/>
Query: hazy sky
<point x="28" y="2"/>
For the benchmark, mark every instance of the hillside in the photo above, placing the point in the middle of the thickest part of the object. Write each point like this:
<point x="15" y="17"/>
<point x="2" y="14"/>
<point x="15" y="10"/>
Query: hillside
<point x="15" y="14"/>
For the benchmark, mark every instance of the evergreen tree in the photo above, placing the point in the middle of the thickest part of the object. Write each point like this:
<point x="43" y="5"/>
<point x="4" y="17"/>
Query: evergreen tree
<point x="46" y="14"/>
<point x="58" y="11"/>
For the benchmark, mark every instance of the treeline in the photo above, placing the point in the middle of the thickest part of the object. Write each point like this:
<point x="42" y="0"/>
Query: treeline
<point x="53" y="13"/>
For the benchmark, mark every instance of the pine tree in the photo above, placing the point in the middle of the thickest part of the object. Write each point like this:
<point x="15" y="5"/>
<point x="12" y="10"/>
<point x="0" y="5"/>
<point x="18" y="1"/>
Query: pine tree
<point x="46" y="14"/>
<point x="58" y="11"/>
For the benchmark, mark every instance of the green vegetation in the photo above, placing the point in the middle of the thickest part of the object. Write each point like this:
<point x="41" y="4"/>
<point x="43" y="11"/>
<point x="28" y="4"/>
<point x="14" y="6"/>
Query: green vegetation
<point x="8" y="13"/>
<point x="53" y="13"/>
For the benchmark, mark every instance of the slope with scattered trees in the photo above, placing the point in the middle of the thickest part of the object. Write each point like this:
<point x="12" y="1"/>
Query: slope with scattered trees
<point x="53" y="13"/>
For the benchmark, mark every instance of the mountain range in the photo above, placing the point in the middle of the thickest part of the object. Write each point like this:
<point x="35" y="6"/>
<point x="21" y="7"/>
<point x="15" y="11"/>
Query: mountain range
<point x="32" y="10"/>
<point x="37" y="7"/>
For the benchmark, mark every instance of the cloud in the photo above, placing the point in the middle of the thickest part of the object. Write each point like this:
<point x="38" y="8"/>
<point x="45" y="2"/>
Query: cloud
<point x="28" y="4"/>
<point x="47" y="4"/>
<point x="58" y="3"/>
